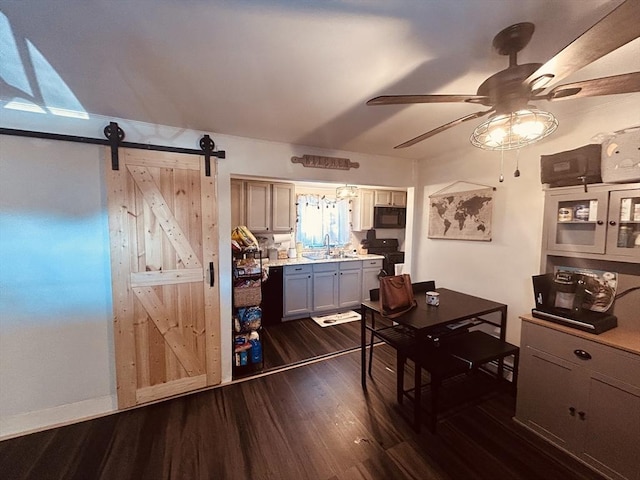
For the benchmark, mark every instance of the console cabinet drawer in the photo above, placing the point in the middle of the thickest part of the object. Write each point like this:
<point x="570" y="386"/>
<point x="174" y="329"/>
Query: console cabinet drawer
<point x="605" y="360"/>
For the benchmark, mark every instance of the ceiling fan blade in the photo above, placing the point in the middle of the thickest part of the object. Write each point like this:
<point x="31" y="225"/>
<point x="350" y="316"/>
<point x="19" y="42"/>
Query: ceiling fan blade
<point x="625" y="83"/>
<point x="618" y="28"/>
<point x="408" y="99"/>
<point x="442" y="128"/>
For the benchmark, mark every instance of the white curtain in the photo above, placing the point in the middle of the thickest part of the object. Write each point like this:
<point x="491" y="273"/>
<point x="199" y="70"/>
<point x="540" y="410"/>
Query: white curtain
<point x="318" y="216"/>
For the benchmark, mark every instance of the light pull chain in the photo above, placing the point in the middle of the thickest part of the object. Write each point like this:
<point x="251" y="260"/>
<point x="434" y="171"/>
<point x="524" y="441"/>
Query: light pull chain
<point x="501" y="166"/>
<point x="517" y="172"/>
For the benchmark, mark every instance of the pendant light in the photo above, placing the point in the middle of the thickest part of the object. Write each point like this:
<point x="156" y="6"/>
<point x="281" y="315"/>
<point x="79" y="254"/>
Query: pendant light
<point x="347" y="191"/>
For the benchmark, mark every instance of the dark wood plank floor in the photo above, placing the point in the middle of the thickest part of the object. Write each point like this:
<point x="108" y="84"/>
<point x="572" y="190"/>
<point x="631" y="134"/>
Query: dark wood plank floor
<point x="310" y="422"/>
<point x="295" y="341"/>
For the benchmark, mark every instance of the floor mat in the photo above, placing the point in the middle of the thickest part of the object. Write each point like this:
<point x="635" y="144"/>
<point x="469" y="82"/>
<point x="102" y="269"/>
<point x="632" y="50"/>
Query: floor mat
<point x="336" y="318"/>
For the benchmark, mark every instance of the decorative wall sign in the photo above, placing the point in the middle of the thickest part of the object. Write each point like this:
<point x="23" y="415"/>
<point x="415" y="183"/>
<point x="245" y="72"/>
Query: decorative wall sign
<point x="461" y="215"/>
<point x="333" y="163"/>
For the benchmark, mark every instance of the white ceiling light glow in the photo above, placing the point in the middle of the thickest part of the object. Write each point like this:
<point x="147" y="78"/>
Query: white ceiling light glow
<point x="514" y="130"/>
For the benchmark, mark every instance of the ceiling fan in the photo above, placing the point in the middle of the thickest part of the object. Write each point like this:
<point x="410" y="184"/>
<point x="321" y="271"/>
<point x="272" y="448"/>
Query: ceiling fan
<point x="513" y="121"/>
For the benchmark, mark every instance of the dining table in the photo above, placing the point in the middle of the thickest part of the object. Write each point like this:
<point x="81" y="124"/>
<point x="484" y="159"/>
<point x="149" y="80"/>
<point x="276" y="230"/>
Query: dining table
<point x="424" y="320"/>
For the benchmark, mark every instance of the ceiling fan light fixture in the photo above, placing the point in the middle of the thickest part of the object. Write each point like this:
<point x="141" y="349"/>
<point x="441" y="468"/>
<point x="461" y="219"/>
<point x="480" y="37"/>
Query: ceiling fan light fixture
<point x="510" y="131"/>
<point x="347" y="191"/>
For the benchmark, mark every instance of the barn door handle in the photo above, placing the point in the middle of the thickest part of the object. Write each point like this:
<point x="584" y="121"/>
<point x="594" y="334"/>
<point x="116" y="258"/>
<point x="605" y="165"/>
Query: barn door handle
<point x="212" y="271"/>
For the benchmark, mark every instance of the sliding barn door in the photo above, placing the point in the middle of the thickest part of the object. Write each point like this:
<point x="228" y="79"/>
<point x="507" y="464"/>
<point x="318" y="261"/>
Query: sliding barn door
<point x="164" y="244"/>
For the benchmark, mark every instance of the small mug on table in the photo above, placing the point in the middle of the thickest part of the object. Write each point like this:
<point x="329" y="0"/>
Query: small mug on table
<point x="433" y="298"/>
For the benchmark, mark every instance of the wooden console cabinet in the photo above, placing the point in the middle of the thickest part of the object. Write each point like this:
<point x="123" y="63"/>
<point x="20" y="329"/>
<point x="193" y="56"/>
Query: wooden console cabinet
<point x="582" y="395"/>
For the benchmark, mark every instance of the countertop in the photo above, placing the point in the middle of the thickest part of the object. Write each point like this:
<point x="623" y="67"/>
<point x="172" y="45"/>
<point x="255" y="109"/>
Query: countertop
<point x="620" y="337"/>
<point x="307" y="261"/>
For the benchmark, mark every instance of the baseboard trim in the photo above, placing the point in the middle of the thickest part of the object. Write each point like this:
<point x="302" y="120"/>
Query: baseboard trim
<point x="36" y="421"/>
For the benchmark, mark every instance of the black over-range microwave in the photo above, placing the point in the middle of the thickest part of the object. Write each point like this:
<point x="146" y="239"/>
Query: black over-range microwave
<point x="389" y="217"/>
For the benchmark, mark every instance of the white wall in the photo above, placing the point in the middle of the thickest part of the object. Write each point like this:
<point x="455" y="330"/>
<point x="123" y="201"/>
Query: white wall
<point x="56" y="341"/>
<point x="501" y="270"/>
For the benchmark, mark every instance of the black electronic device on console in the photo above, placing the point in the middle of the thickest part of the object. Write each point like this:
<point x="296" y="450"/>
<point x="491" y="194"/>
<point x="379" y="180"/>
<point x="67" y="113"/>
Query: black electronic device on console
<point x="559" y="298"/>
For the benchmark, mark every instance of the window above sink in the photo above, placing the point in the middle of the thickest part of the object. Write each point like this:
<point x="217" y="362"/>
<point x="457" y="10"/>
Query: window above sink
<point x="319" y="216"/>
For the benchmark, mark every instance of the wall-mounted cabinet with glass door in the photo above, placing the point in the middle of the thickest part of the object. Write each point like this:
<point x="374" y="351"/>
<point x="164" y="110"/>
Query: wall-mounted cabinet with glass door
<point x="603" y="222"/>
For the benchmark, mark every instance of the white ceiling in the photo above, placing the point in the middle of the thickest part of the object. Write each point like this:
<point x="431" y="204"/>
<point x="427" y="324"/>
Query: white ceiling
<point x="294" y="71"/>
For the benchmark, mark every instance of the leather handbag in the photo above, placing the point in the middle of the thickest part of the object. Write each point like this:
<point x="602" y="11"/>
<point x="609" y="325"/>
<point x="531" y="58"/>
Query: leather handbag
<point x="396" y="295"/>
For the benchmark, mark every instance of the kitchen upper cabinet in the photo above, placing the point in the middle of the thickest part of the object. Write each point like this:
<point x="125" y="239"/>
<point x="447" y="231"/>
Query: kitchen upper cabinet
<point x="238" y="207"/>
<point x="362" y="211"/>
<point x="258" y="206"/>
<point x="283" y="207"/>
<point x="582" y="396"/>
<point x="269" y="207"/>
<point x="398" y="199"/>
<point x="603" y="223"/>
<point x="389" y="198"/>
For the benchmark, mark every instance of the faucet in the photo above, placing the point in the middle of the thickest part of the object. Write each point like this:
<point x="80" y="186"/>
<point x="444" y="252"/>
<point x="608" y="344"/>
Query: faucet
<point x="327" y="242"/>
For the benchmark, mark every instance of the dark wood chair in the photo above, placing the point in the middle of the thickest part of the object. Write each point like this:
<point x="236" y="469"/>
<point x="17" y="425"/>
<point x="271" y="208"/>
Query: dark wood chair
<point x="453" y="356"/>
<point x="396" y="336"/>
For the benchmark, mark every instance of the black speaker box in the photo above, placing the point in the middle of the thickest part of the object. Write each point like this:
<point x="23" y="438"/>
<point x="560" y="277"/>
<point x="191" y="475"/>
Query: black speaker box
<point x="573" y="167"/>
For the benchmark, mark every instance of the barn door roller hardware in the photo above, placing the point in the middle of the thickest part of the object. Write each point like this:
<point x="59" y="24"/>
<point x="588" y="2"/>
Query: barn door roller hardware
<point x="115" y="135"/>
<point x="207" y="146"/>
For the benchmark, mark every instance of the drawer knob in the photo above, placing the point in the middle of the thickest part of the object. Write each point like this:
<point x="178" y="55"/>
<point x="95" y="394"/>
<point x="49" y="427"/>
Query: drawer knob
<point x="581" y="354"/>
<point x="582" y="415"/>
<point x="572" y="411"/>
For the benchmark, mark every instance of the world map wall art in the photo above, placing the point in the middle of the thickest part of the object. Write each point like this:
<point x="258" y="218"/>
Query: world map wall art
<point x="461" y="215"/>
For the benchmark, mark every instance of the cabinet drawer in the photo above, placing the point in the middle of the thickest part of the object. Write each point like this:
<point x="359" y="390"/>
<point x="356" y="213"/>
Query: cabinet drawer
<point x="325" y="267"/>
<point x="605" y="360"/>
<point x="374" y="263"/>
<point x="297" y="269"/>
<point x="351" y="265"/>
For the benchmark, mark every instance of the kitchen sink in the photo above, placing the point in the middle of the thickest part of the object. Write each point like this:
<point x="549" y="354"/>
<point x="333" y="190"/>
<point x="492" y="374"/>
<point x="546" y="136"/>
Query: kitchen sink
<point x="325" y="256"/>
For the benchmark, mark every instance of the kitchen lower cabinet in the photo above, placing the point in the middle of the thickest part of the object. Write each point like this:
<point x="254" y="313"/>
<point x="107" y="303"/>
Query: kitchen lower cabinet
<point x="325" y="287"/>
<point x="337" y="285"/>
<point x="298" y="291"/>
<point x="322" y="288"/>
<point x="350" y="284"/>
<point x="582" y="396"/>
<point x="370" y="276"/>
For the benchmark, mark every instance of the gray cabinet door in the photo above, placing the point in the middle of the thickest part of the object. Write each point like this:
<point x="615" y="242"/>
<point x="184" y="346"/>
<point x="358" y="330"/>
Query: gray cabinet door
<point x="325" y="287"/>
<point x="577" y="222"/>
<point x="610" y="425"/>
<point x="370" y="271"/>
<point x="547" y="396"/>
<point x="258" y="206"/>
<point x="297" y="294"/>
<point x="283" y="213"/>
<point x="350" y="285"/>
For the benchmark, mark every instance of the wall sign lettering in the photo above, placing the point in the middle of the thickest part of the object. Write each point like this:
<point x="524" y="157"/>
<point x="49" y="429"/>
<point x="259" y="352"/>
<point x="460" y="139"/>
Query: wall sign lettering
<point x="333" y="163"/>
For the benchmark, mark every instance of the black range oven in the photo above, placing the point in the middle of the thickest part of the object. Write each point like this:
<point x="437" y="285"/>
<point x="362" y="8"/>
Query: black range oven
<point x="388" y="248"/>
